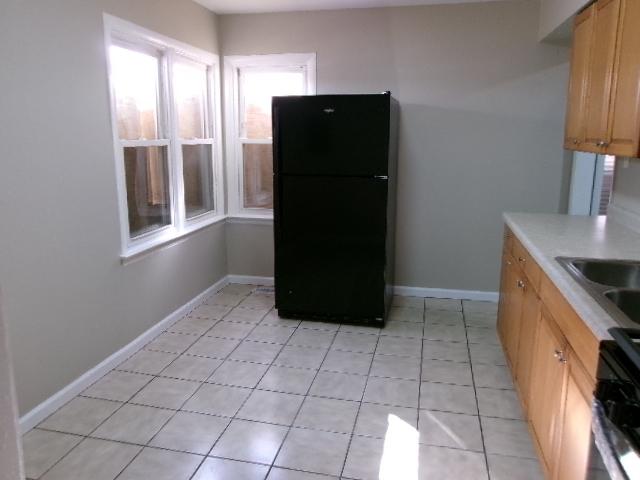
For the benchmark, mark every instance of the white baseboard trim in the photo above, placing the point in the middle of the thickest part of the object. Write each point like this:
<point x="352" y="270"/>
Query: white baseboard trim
<point x="250" y="280"/>
<point x="57" y="400"/>
<point x="445" y="293"/>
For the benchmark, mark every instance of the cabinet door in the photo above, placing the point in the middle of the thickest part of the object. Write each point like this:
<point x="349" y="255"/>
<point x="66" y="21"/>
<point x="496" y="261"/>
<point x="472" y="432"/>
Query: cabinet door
<point x="607" y="13"/>
<point x="582" y="35"/>
<point x="505" y="291"/>
<point x="547" y="384"/>
<point x="624" y="123"/>
<point x="510" y="307"/>
<point x="528" y="332"/>
<point x="518" y="286"/>
<point x="575" y="435"/>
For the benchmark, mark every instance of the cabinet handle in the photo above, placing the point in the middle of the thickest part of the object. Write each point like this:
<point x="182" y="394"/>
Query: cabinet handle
<point x="576" y="141"/>
<point x="602" y="143"/>
<point x="520" y="284"/>
<point x="559" y="355"/>
<point x="522" y="259"/>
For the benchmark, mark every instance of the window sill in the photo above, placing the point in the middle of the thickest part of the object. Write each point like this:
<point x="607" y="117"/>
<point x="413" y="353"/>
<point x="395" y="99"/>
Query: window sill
<point x="167" y="239"/>
<point x="251" y="219"/>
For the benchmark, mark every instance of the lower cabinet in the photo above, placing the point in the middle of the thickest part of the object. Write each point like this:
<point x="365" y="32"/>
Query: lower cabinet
<point x="554" y="386"/>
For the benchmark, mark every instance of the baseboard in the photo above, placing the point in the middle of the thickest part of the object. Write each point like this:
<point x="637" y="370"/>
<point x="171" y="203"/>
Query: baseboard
<point x="403" y="291"/>
<point x="57" y="400"/>
<point x="249" y="280"/>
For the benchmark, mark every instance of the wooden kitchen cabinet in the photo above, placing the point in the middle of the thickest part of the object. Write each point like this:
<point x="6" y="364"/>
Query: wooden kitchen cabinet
<point x="576" y="101"/>
<point x="603" y="103"/>
<point x="552" y="356"/>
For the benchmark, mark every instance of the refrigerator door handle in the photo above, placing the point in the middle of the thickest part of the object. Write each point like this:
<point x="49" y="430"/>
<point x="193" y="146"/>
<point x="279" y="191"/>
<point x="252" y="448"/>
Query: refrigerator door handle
<point x="381" y="177"/>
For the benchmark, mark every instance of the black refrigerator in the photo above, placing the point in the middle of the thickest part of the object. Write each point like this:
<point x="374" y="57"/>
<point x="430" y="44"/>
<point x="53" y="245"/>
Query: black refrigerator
<point x="334" y="205"/>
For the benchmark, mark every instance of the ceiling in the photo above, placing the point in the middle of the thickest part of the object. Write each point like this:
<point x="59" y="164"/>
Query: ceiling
<point x="263" y="6"/>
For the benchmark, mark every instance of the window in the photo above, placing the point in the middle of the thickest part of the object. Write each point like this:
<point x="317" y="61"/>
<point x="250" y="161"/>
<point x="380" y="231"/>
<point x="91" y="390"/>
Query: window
<point x="166" y="132"/>
<point x="251" y="82"/>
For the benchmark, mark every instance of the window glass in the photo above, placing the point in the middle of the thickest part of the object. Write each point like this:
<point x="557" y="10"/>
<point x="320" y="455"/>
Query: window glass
<point x="256" y="89"/>
<point x="257" y="159"/>
<point x="198" y="179"/>
<point x="135" y="83"/>
<point x="190" y="92"/>
<point x="147" y="180"/>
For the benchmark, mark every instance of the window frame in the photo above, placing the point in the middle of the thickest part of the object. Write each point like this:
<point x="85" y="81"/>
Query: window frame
<point x="123" y="33"/>
<point x="232" y="66"/>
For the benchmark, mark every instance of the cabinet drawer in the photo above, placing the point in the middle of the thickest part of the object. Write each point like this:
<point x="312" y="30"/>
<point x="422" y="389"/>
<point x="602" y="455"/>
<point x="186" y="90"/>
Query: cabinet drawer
<point x="527" y="264"/>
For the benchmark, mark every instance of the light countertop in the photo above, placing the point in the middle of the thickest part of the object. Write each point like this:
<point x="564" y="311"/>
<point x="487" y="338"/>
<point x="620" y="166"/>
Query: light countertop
<point x="547" y="236"/>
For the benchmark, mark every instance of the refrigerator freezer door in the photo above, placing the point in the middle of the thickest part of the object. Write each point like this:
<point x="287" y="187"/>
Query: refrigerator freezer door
<point x="345" y="135"/>
<point x="330" y="246"/>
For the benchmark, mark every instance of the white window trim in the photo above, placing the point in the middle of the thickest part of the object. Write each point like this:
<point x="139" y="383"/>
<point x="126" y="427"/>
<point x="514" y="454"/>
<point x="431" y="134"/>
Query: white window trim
<point x="116" y="29"/>
<point x="232" y="65"/>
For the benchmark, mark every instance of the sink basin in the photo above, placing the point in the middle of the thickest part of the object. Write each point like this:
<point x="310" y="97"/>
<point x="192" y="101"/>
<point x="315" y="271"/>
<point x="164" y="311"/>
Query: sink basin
<point x="612" y="273"/>
<point x="628" y="301"/>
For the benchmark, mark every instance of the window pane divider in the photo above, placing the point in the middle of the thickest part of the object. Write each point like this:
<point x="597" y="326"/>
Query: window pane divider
<point x="145" y="143"/>
<point x="196" y="141"/>
<point x="257" y="141"/>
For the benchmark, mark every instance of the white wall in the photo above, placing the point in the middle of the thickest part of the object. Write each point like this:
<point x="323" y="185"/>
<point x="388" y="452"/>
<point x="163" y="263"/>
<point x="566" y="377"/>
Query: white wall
<point x="626" y="191"/>
<point x="481" y="127"/>
<point x="69" y="301"/>
<point x="556" y="17"/>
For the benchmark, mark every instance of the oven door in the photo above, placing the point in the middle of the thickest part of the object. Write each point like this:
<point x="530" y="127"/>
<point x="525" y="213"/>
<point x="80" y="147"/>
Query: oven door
<point x="613" y="456"/>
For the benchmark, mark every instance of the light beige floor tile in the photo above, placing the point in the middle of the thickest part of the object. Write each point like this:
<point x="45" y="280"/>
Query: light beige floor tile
<point x="487" y="354"/>
<point x="211" y="312"/>
<point x="271" y="334"/>
<point x="373" y="419"/>
<point x="504" y="468"/>
<point x="220" y="469"/>
<point x="483" y="336"/>
<point x="245" y="315"/>
<point x="238" y="374"/>
<point x="287" y="380"/>
<point x="407" y="347"/>
<point x="317" y="325"/>
<point x="93" y="459"/>
<point x="80" y="416"/>
<point x="235" y="330"/>
<point x="222" y="298"/>
<point x="507" y="437"/>
<point x="166" y="393"/>
<point x="366" y="329"/>
<point x="328" y="414"/>
<point x="314" y="451"/>
<point x="406" y="314"/>
<point x="443" y="304"/>
<point x="473" y="306"/>
<point x="446" y="333"/>
<point x="439" y="350"/>
<point x="394" y="366"/>
<point x="171" y="342"/>
<point x="148" y="362"/>
<point x="134" y="424"/>
<point x="364" y="458"/>
<point x="285" y="474"/>
<point x="189" y="367"/>
<point x="118" y="386"/>
<point x="300" y="357"/>
<point x="271" y="407"/>
<point x="257" y="301"/>
<point x="355" y="342"/>
<point x="192" y="326"/>
<point x="446" y="372"/>
<point x="311" y="338"/>
<point x="213" y="347"/>
<point x="492" y="376"/>
<point x="342" y="386"/>
<point x="446" y="429"/>
<point x="250" y="441"/>
<point x="217" y="400"/>
<point x="392" y="391"/>
<point x="190" y="432"/>
<point x="444" y="317"/>
<point x="272" y="318"/>
<point x="238" y="289"/>
<point x="499" y="403"/>
<point x="414" y="302"/>
<point x="156" y="464"/>
<point x="43" y="449"/>
<point x="402" y="329"/>
<point x="258" y="352"/>
<point x="451" y="464"/>
<point x="347" y="362"/>
<point x="448" y="398"/>
<point x="485" y="320"/>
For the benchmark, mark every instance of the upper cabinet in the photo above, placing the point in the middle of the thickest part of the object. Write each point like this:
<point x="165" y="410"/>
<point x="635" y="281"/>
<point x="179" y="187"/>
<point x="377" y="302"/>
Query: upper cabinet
<point x="604" y="87"/>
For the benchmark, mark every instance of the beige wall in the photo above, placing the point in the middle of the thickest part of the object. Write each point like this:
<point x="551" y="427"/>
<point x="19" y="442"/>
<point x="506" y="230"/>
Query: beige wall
<point x="482" y="113"/>
<point x="557" y="15"/>
<point x="69" y="302"/>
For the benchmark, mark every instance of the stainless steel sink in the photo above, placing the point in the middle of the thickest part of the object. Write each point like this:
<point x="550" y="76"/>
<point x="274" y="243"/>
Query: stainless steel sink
<point x="614" y="284"/>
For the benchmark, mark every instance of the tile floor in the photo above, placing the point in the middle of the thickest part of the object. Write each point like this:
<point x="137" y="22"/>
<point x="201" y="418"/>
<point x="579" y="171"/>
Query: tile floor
<point x="232" y="391"/>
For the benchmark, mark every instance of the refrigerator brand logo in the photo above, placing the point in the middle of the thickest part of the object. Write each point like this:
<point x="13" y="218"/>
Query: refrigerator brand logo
<point x="329" y="110"/>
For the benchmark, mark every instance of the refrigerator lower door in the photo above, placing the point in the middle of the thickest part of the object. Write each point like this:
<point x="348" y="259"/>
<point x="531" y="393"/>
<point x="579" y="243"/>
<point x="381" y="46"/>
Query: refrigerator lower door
<point x="330" y="247"/>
